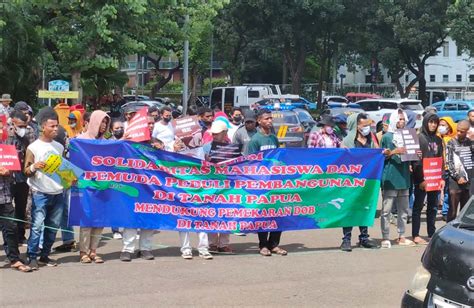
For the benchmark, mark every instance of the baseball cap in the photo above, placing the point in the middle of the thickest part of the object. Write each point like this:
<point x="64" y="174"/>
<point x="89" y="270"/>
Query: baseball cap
<point x="218" y="127"/>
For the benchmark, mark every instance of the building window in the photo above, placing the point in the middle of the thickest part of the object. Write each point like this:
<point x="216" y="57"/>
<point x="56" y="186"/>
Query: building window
<point x="446" y="49"/>
<point x="445" y="78"/>
<point x="458" y="78"/>
<point x="471" y="78"/>
<point x="432" y="78"/>
<point x="406" y="78"/>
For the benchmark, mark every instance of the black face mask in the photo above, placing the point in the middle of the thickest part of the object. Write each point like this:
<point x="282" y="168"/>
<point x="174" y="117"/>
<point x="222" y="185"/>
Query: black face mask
<point x="237" y="119"/>
<point x="118" y="133"/>
<point x="167" y="120"/>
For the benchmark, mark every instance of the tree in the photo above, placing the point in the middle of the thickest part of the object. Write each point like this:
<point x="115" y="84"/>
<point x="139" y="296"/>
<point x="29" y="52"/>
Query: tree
<point x="462" y="23"/>
<point x="412" y="31"/>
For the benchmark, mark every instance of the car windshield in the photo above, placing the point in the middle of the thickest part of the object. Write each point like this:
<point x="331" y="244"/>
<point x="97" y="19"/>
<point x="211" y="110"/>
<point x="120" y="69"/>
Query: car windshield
<point x="337" y="99"/>
<point x="467" y="217"/>
<point x="304" y="115"/>
<point x="283" y="117"/>
<point x="412" y="106"/>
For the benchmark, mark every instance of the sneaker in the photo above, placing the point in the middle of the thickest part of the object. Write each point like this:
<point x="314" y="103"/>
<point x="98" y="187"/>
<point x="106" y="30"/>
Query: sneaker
<point x="125" y="256"/>
<point x="346" y="246"/>
<point x="386" y="244"/>
<point x="68" y="247"/>
<point x="46" y="261"/>
<point x="369" y="244"/>
<point x="213" y="248"/>
<point x="240" y="234"/>
<point x="33" y="264"/>
<point x="146" y="255"/>
<point x="117" y="236"/>
<point x="187" y="255"/>
<point x="226" y="250"/>
<point x="205" y="255"/>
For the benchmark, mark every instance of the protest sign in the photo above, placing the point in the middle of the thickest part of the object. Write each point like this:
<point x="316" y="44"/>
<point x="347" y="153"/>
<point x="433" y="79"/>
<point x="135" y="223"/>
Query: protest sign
<point x="224" y="151"/>
<point x="137" y="130"/>
<point x="433" y="173"/>
<point x="465" y="155"/>
<point x="61" y="170"/>
<point x="134" y="186"/>
<point x="9" y="157"/>
<point x="408" y="139"/>
<point x="3" y="128"/>
<point x="185" y="128"/>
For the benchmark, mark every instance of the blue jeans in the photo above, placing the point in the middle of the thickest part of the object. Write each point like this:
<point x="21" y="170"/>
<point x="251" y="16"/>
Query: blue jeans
<point x="46" y="210"/>
<point x="67" y="232"/>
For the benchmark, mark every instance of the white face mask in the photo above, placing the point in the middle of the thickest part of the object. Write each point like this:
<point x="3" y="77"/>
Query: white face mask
<point x="365" y="130"/>
<point x="443" y="130"/>
<point x="20" y="131"/>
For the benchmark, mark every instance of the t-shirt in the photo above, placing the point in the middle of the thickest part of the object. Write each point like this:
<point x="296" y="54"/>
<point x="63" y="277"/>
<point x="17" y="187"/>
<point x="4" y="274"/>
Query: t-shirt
<point x="231" y="132"/>
<point x="165" y="133"/>
<point x="396" y="174"/>
<point x="261" y="142"/>
<point x="39" y="181"/>
<point x="242" y="137"/>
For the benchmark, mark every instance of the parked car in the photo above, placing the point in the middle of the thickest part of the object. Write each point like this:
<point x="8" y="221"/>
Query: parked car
<point x="139" y="104"/>
<point x="376" y="108"/>
<point x="288" y="128"/>
<point x="355" y="97"/>
<point x="290" y="100"/>
<point x="446" y="275"/>
<point x="455" y="109"/>
<point x="132" y="98"/>
<point x="306" y="120"/>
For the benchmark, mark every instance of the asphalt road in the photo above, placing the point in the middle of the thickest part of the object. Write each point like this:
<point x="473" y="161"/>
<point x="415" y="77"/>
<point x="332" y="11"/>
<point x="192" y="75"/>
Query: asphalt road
<point x="315" y="273"/>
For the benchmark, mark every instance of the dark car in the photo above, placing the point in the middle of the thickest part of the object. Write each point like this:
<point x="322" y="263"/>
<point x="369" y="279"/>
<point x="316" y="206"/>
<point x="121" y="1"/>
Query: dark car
<point x="446" y="275"/>
<point x="306" y="120"/>
<point x="288" y="128"/>
<point x="140" y="104"/>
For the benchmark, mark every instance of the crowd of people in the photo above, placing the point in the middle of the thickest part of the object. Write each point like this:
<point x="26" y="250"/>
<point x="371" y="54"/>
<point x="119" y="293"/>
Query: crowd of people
<point x="403" y="186"/>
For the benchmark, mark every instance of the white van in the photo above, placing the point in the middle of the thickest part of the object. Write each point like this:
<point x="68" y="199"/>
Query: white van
<point x="226" y="98"/>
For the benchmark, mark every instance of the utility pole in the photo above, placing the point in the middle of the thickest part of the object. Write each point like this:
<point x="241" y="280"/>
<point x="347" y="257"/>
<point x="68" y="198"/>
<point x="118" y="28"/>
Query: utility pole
<point x="186" y="65"/>
<point x="212" y="61"/>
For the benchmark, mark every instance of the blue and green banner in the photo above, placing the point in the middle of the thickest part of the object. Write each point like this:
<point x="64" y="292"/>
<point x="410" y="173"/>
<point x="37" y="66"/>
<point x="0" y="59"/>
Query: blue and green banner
<point x="132" y="185"/>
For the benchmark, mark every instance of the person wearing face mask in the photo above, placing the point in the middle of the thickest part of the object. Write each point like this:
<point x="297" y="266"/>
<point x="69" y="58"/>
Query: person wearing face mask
<point x="447" y="131"/>
<point x="359" y="136"/>
<point x="395" y="180"/>
<point x="235" y="121"/>
<point x="324" y="137"/>
<point x="116" y="129"/>
<point x="431" y="146"/>
<point x="243" y="135"/>
<point x="164" y="130"/>
<point x="21" y="136"/>
<point x="74" y="124"/>
<point x="155" y="113"/>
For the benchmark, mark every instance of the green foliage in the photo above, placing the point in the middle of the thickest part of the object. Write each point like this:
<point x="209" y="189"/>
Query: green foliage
<point x="462" y="24"/>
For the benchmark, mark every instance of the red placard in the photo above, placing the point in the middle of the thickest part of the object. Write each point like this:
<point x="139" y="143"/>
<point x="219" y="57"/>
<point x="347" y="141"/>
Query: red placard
<point x="137" y="130"/>
<point x="186" y="127"/>
<point x="3" y="130"/>
<point x="433" y="173"/>
<point x="9" y="157"/>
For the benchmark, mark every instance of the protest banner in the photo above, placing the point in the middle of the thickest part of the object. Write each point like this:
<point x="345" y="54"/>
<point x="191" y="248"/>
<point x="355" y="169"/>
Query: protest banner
<point x="137" y="130"/>
<point x="61" y="170"/>
<point x="185" y="128"/>
<point x="410" y="141"/>
<point x="132" y="185"/>
<point x="465" y="155"/>
<point x="9" y="157"/>
<point x="433" y="173"/>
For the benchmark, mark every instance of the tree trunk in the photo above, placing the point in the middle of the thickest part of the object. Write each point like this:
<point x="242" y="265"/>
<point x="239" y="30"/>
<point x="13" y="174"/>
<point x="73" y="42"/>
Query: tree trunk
<point x="296" y="67"/>
<point x="163" y="81"/>
<point x="320" y="87"/>
<point x="194" y="83"/>
<point x="76" y="84"/>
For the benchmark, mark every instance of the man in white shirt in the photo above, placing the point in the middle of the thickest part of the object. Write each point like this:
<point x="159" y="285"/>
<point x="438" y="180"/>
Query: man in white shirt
<point x="48" y="197"/>
<point x="235" y="122"/>
<point x="164" y="130"/>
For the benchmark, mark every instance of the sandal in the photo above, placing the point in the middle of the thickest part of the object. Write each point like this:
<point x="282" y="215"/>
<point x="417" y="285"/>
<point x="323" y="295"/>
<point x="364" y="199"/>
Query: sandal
<point x="21" y="267"/>
<point x="279" y="251"/>
<point x="97" y="259"/>
<point x="265" y="252"/>
<point x="419" y="241"/>
<point x="85" y="259"/>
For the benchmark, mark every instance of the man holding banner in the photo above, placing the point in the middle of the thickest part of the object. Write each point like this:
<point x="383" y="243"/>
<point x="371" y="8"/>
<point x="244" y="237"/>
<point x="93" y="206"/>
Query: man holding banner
<point x="264" y="140"/>
<point x="358" y="136"/>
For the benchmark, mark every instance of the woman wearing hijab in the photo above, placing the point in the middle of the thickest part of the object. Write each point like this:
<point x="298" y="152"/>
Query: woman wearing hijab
<point x="89" y="237"/>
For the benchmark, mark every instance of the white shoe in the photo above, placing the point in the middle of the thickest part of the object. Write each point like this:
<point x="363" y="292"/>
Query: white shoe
<point x="386" y="244"/>
<point x="117" y="236"/>
<point x="205" y="255"/>
<point x="187" y="255"/>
